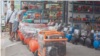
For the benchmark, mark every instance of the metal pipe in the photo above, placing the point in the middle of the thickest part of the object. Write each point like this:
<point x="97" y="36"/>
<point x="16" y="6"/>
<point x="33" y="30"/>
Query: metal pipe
<point x="93" y="15"/>
<point x="72" y="13"/>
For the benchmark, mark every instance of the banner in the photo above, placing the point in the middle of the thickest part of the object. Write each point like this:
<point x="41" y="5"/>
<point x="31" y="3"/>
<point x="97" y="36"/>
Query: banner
<point x="17" y="4"/>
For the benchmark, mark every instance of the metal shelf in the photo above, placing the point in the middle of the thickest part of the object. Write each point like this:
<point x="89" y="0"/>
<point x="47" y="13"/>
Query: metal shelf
<point x="85" y="21"/>
<point x="93" y="12"/>
<point x="52" y="10"/>
<point x="84" y="3"/>
<point x="53" y="3"/>
<point x="43" y="3"/>
<point x="35" y="9"/>
<point x="81" y="11"/>
<point x="33" y="1"/>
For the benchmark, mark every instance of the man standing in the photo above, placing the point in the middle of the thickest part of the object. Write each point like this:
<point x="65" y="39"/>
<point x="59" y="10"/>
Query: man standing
<point x="5" y="18"/>
<point x="5" y="8"/>
<point x="10" y="17"/>
<point x="17" y="21"/>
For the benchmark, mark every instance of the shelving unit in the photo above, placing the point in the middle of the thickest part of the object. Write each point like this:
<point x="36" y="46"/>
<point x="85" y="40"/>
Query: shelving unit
<point x="86" y="21"/>
<point x="43" y="10"/>
<point x="93" y="12"/>
<point x="84" y="3"/>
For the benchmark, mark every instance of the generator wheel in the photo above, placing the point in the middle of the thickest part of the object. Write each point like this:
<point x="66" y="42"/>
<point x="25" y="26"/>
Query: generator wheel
<point x="82" y="41"/>
<point x="95" y="48"/>
<point x="19" y="38"/>
<point x="73" y="40"/>
<point x="28" y="48"/>
<point x="23" y="42"/>
<point x="36" y="53"/>
<point x="88" y="42"/>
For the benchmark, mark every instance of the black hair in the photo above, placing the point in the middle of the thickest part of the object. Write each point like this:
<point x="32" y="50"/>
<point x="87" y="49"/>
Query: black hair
<point x="11" y="5"/>
<point x="5" y="13"/>
<point x="26" y="8"/>
<point x="5" y="4"/>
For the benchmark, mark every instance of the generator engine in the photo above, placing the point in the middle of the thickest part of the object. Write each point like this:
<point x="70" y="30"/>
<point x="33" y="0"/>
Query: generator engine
<point x="89" y="40"/>
<point x="96" y="42"/>
<point x="76" y="35"/>
<point x="52" y="48"/>
<point x="83" y="37"/>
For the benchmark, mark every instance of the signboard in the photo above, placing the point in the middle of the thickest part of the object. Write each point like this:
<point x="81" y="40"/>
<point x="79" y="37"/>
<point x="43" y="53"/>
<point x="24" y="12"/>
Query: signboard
<point x="17" y="4"/>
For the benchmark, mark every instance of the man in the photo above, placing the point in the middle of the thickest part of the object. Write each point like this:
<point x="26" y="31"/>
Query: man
<point x="5" y="20"/>
<point x="17" y="21"/>
<point x="5" y="17"/>
<point x="5" y="8"/>
<point x="10" y="17"/>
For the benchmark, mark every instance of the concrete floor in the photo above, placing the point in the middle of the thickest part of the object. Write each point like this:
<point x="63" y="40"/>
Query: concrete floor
<point x="17" y="49"/>
<point x="72" y="50"/>
<point x="79" y="50"/>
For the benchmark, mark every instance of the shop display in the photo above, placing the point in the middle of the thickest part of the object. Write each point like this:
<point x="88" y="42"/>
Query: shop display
<point x="43" y="10"/>
<point x="87" y="18"/>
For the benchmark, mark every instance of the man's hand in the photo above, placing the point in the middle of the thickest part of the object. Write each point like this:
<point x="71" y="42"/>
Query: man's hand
<point x="20" y="21"/>
<point x="6" y="23"/>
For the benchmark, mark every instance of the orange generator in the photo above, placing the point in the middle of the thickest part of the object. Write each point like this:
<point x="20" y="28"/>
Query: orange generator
<point x="51" y="44"/>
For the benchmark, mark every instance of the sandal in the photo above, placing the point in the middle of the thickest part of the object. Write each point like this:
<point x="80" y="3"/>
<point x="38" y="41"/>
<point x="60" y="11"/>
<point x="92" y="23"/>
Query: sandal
<point x="11" y="39"/>
<point x="18" y="40"/>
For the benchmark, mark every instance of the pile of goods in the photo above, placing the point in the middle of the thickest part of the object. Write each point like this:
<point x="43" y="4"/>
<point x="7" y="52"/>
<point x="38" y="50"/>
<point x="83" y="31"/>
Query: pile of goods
<point x="30" y="33"/>
<point x="51" y="38"/>
<point x="87" y="18"/>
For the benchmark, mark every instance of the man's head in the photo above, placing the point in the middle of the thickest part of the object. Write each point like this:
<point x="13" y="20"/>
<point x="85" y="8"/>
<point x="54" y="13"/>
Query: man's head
<point x="5" y="14"/>
<point x="12" y="7"/>
<point x="25" y="9"/>
<point x="5" y="4"/>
